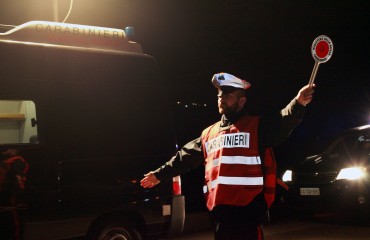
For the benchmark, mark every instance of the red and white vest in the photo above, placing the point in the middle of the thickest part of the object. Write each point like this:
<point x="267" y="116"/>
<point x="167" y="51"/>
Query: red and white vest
<point x="5" y="165"/>
<point x="234" y="173"/>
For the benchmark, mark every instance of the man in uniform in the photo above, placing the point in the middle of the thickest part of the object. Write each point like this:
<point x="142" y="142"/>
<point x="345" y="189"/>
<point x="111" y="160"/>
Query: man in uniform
<point x="240" y="170"/>
<point x="13" y="169"/>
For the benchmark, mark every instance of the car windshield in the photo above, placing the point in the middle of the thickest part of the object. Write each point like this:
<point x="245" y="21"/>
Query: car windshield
<point x="355" y="147"/>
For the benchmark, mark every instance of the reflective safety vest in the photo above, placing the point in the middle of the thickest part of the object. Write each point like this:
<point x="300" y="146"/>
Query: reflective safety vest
<point x="4" y="169"/>
<point x="234" y="171"/>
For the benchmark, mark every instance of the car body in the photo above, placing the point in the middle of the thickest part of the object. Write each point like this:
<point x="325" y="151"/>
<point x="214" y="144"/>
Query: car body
<point x="337" y="179"/>
<point x="88" y="111"/>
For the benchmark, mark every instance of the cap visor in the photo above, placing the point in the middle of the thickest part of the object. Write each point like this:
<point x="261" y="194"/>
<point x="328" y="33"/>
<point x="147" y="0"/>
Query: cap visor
<point x="226" y="90"/>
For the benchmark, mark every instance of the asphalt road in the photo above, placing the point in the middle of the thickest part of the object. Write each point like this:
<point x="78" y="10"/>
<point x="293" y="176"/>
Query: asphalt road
<point x="321" y="227"/>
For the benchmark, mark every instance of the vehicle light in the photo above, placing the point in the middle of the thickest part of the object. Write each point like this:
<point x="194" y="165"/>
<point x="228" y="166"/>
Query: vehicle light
<point x="287" y="177"/>
<point x="353" y="173"/>
<point x="176" y="185"/>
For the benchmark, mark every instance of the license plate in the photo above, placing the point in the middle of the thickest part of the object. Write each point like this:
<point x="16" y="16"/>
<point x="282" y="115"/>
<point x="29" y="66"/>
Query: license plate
<point x="309" y="191"/>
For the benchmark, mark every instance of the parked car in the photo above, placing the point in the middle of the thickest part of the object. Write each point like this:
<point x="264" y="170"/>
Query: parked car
<point x="336" y="179"/>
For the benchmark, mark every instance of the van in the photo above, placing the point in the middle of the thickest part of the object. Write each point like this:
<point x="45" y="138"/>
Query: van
<point x="88" y="110"/>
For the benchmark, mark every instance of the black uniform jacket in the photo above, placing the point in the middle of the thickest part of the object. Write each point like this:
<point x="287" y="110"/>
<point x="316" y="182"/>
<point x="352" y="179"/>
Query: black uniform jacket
<point x="272" y="130"/>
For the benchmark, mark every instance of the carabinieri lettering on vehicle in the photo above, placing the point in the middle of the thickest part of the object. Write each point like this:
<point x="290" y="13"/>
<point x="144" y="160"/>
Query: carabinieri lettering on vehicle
<point x="79" y="30"/>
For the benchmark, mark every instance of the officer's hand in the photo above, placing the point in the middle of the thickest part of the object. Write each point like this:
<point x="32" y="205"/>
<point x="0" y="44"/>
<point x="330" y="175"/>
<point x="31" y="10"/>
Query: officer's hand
<point x="149" y="180"/>
<point x="304" y="95"/>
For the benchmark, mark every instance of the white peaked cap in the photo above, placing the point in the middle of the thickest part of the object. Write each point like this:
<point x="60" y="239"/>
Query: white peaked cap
<point x="227" y="80"/>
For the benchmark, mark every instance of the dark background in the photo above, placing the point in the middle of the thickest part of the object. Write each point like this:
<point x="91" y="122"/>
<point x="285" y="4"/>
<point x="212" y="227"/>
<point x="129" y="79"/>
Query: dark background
<point x="265" y="42"/>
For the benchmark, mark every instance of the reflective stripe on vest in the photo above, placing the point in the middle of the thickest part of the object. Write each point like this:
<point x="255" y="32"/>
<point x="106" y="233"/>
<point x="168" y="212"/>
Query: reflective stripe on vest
<point x="234" y="160"/>
<point x="247" y="181"/>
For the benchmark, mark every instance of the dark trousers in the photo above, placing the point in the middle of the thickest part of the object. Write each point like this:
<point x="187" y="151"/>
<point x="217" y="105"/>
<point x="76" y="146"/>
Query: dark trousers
<point x="240" y="222"/>
<point x="10" y="226"/>
<point x="241" y="232"/>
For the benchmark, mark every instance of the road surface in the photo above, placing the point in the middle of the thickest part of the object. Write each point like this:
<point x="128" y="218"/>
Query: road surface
<point x="322" y="227"/>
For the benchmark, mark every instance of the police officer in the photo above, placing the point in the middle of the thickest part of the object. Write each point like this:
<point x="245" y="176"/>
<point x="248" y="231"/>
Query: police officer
<point x="13" y="169"/>
<point x="240" y="170"/>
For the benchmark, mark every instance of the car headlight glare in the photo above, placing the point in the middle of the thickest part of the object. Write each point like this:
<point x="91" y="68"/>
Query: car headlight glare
<point x="352" y="173"/>
<point x="287" y="177"/>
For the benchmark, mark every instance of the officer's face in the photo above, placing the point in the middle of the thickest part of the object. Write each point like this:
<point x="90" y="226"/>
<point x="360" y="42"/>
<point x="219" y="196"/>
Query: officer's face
<point x="231" y="102"/>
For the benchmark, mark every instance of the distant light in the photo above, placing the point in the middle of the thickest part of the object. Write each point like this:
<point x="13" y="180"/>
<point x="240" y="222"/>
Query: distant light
<point x="191" y="105"/>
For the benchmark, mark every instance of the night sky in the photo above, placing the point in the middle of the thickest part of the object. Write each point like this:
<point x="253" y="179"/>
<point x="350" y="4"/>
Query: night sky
<point x="265" y="42"/>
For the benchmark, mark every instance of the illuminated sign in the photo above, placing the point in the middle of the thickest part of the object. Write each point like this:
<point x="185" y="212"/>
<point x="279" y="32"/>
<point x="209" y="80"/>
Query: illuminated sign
<point x="64" y="34"/>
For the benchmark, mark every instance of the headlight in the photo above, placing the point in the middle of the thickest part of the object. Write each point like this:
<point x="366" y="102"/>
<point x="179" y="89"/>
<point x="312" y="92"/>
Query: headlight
<point x="353" y="173"/>
<point x="287" y="177"/>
